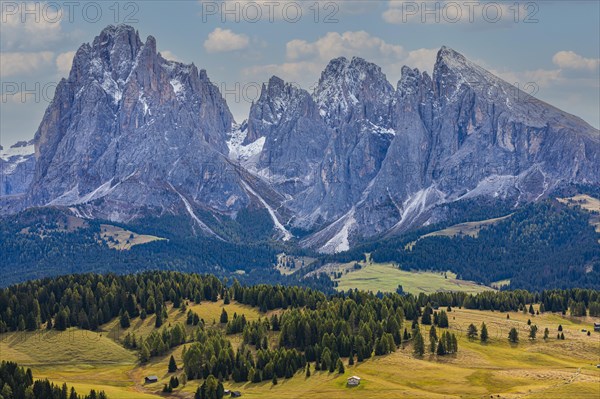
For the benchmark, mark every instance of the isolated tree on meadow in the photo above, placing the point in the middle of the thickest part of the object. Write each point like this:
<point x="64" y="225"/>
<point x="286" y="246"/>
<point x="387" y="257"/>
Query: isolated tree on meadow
<point x="533" y="332"/>
<point x="472" y="331"/>
<point x="513" y="335"/>
<point x="484" y="333"/>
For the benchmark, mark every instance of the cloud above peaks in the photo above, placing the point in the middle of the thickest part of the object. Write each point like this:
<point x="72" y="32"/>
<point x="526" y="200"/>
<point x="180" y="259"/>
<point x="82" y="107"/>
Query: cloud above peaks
<point x="347" y="44"/>
<point x="225" y="40"/>
<point x="572" y="60"/>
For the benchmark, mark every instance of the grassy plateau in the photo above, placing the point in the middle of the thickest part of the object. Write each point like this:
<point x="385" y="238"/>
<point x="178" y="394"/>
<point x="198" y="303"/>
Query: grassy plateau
<point x="543" y="369"/>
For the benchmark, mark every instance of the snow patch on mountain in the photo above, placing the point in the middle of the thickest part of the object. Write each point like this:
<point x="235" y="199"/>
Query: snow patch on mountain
<point x="286" y="234"/>
<point x="240" y="152"/>
<point x="18" y="151"/>
<point x="177" y="86"/>
<point x="111" y="88"/>
<point x="341" y="241"/>
<point x="417" y="204"/>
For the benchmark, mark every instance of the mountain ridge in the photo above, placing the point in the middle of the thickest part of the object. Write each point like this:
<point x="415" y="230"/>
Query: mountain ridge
<point x="130" y="133"/>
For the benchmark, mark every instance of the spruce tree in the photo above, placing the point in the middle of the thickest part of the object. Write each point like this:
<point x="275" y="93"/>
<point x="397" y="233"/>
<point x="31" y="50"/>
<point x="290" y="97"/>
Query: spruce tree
<point x="432" y="339"/>
<point x="224" y="317"/>
<point x="533" y="332"/>
<point x="484" y="333"/>
<point x="125" y="323"/>
<point x="340" y="367"/>
<point x="513" y="335"/>
<point x="145" y="353"/>
<point x="454" y="344"/>
<point x="426" y="318"/>
<point x="472" y="331"/>
<point x="419" y="344"/>
<point x="443" y="320"/>
<point x="172" y="365"/>
<point x="441" y="349"/>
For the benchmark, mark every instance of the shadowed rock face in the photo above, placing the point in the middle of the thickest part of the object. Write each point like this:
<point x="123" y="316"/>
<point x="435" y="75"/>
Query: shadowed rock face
<point x="393" y="155"/>
<point x="138" y="131"/>
<point x="130" y="133"/>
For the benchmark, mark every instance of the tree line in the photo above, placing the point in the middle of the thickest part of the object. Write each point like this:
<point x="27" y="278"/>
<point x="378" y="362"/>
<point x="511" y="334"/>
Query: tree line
<point x="88" y="301"/>
<point x="18" y="383"/>
<point x="540" y="246"/>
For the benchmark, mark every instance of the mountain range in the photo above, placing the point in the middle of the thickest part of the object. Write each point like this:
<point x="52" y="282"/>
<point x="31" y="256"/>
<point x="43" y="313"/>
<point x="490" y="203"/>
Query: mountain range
<point x="130" y="134"/>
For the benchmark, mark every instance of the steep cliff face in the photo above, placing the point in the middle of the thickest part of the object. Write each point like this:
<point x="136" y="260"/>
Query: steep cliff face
<point x="394" y="155"/>
<point x="322" y="150"/>
<point x="294" y="135"/>
<point x="466" y="133"/>
<point x="131" y="134"/>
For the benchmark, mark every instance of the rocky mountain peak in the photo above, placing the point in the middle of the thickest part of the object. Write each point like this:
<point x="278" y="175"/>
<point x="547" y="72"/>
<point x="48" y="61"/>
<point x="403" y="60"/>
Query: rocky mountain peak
<point x="123" y="123"/>
<point x="353" y="90"/>
<point x="278" y="101"/>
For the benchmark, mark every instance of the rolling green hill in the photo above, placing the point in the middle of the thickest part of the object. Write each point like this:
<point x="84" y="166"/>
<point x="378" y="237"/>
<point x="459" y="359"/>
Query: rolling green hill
<point x="287" y="318"/>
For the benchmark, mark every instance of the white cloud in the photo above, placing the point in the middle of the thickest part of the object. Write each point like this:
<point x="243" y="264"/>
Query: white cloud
<point x="306" y="60"/>
<point x="223" y="40"/>
<point x="36" y="32"/>
<point x="572" y="60"/>
<point x="21" y="63"/>
<point x="566" y="61"/>
<point x="347" y="44"/>
<point x="64" y="61"/>
<point x="423" y="58"/>
<point x="168" y="55"/>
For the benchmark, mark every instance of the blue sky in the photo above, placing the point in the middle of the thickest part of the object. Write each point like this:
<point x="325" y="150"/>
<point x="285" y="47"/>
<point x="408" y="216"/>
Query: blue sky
<point x="548" y="48"/>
